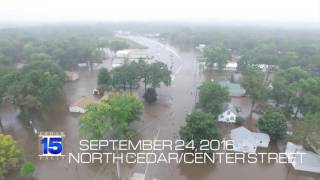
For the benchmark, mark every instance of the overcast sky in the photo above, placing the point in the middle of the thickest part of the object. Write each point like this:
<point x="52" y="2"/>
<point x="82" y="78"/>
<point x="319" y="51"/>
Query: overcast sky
<point x="142" y="10"/>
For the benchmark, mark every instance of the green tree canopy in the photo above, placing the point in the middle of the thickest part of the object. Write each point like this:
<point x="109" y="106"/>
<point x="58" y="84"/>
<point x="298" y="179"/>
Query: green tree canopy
<point x="125" y="108"/>
<point x="36" y="84"/>
<point x="9" y="153"/>
<point x="104" y="78"/>
<point x="96" y="121"/>
<point x="113" y="114"/>
<point x="212" y="97"/>
<point x="307" y="130"/>
<point x="216" y="54"/>
<point x="253" y="83"/>
<point x="274" y="123"/>
<point x="27" y="169"/>
<point x="200" y="126"/>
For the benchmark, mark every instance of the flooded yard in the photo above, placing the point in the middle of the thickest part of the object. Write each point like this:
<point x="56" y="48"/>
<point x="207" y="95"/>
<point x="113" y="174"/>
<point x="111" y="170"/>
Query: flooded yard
<point x="166" y="116"/>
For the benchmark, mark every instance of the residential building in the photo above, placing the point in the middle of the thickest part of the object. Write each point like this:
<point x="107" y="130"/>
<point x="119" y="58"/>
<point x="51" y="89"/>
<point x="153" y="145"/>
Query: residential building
<point x="302" y="160"/>
<point x="229" y="114"/>
<point x="247" y="142"/>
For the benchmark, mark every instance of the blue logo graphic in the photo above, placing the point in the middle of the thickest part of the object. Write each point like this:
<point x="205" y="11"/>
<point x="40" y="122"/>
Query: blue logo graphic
<point x="51" y="145"/>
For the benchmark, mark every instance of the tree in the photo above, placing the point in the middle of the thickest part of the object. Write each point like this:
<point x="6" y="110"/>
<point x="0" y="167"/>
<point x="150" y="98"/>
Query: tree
<point x="264" y="53"/>
<point x="35" y="85"/>
<point x="158" y="73"/>
<point x="253" y="83"/>
<point x="104" y="78"/>
<point x="125" y="108"/>
<point x="274" y="123"/>
<point x="216" y="54"/>
<point x="40" y="57"/>
<point x="9" y="154"/>
<point x="117" y="45"/>
<point x="96" y="121"/>
<point x="212" y="97"/>
<point x="290" y="86"/>
<point x="126" y="76"/>
<point x="113" y="114"/>
<point x="200" y="126"/>
<point x="7" y="77"/>
<point x="27" y="169"/>
<point x="150" y="95"/>
<point x="307" y="130"/>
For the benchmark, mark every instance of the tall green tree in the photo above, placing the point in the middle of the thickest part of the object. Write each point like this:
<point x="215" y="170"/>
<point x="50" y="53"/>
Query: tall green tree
<point x="125" y="108"/>
<point x="307" y="130"/>
<point x="104" y="78"/>
<point x="158" y="73"/>
<point x="253" y="83"/>
<point x="212" y="97"/>
<point x="111" y="115"/>
<point x="200" y="126"/>
<point x="216" y="54"/>
<point x="274" y="123"/>
<point x="96" y="121"/>
<point x="291" y="87"/>
<point x="9" y="154"/>
<point x="36" y="85"/>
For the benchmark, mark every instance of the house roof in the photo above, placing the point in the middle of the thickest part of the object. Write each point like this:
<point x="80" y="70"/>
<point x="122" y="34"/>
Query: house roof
<point x="83" y="102"/>
<point x="233" y="88"/>
<point x="230" y="107"/>
<point x="308" y="161"/>
<point x="247" y="141"/>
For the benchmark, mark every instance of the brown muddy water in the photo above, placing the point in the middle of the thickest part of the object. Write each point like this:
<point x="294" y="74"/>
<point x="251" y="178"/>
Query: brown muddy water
<point x="165" y="116"/>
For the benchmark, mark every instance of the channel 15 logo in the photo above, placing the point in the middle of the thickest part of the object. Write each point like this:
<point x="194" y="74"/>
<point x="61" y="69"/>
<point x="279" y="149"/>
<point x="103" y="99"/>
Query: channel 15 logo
<point x="51" y="145"/>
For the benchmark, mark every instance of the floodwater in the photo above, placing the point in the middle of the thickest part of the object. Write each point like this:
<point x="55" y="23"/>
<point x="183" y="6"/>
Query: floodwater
<point x="162" y="119"/>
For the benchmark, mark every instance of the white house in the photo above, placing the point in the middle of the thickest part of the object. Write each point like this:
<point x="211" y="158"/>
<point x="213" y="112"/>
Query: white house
<point x="229" y="115"/>
<point x="231" y="66"/>
<point x="246" y="141"/>
<point x="80" y="105"/>
<point x="123" y="53"/>
<point x="308" y="161"/>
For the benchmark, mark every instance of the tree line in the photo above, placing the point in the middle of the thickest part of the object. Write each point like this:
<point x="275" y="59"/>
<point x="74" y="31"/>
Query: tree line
<point x="129" y="76"/>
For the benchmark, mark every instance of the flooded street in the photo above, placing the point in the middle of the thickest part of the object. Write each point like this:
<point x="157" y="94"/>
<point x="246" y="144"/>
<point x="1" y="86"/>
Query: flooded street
<point x="162" y="119"/>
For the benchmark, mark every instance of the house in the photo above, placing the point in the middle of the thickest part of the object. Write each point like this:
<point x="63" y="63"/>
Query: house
<point x="234" y="89"/>
<point x="71" y="76"/>
<point x="266" y="67"/>
<point x="246" y="141"/>
<point x="231" y="66"/>
<point x="123" y="53"/>
<point x="308" y="161"/>
<point x="80" y="105"/>
<point x="229" y="115"/>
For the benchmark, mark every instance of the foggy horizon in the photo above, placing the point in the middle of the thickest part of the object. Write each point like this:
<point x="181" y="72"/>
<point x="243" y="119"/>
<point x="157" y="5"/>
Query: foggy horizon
<point x="201" y="11"/>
